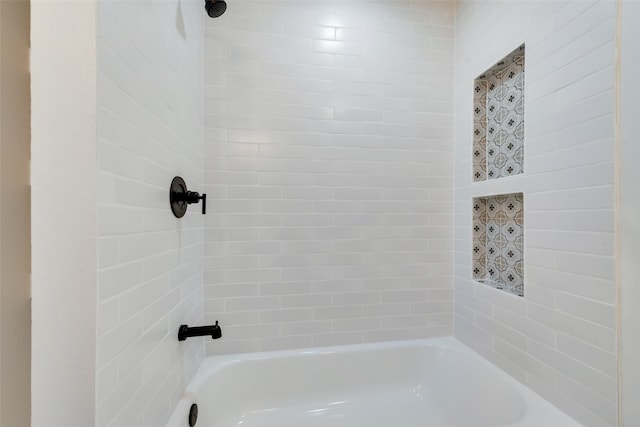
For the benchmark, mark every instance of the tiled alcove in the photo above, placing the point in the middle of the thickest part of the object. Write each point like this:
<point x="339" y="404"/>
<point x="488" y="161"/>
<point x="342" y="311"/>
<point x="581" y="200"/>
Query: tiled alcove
<point x="498" y="242"/>
<point x="498" y="131"/>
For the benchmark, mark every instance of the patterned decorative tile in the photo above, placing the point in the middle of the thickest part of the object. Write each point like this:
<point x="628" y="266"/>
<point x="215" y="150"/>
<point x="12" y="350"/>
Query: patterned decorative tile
<point x="498" y="120"/>
<point x="498" y="242"/>
<point x="480" y="131"/>
<point x="479" y="239"/>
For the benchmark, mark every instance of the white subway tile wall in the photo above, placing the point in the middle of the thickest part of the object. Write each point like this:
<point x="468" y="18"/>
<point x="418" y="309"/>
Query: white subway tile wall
<point x="150" y="128"/>
<point x="629" y="205"/>
<point x="560" y="338"/>
<point x="339" y="200"/>
<point x="328" y="129"/>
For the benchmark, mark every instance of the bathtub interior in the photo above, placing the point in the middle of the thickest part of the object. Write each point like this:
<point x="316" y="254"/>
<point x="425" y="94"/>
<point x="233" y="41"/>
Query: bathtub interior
<point x="406" y="385"/>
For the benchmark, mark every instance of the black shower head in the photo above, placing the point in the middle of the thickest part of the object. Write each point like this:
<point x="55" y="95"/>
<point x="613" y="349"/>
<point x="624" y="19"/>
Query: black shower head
<point x="215" y="8"/>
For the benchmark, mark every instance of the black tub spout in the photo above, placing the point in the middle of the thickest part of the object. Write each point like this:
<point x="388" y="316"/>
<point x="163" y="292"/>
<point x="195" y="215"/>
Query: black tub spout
<point x="197" y="331"/>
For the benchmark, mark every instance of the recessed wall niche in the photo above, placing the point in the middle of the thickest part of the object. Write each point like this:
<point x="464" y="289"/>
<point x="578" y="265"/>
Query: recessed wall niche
<point x="498" y="131"/>
<point x="498" y="242"/>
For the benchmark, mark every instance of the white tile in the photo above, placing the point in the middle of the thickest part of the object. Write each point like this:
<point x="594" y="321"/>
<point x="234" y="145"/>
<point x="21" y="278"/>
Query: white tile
<point x="595" y="357"/>
<point x="117" y="279"/>
<point x="137" y="246"/>
<point x="308" y="328"/>
<point x="132" y="209"/>
<point x="603" y="408"/>
<point x="286" y="342"/>
<point x="252" y="303"/>
<point x="286" y="316"/>
<point x="107" y="251"/>
<point x="363" y="324"/>
<point x="501" y="331"/>
<point x="307" y="300"/>
<point x="566" y="314"/>
<point x="595" y="311"/>
<point x="118" y="220"/>
<point x="585" y="264"/>
<point x="251" y="331"/>
<point x="595" y="334"/>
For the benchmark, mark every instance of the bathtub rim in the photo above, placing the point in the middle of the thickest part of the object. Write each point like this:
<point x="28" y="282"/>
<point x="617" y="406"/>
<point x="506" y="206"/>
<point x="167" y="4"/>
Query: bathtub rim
<point x="214" y="363"/>
<point x="211" y="364"/>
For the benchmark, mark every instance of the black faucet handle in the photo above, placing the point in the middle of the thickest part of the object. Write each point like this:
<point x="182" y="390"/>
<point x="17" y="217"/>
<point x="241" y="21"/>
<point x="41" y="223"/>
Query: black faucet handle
<point x="216" y="332"/>
<point x="180" y="197"/>
<point x="195" y="197"/>
<point x="204" y="210"/>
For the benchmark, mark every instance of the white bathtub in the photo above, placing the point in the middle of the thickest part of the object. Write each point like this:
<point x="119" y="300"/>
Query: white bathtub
<point x="436" y="382"/>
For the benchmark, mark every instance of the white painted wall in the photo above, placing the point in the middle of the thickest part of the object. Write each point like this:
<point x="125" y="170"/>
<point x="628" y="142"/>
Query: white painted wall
<point x="559" y="339"/>
<point x="150" y="111"/>
<point x="63" y="215"/>
<point x="328" y="166"/>
<point x="630" y="214"/>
